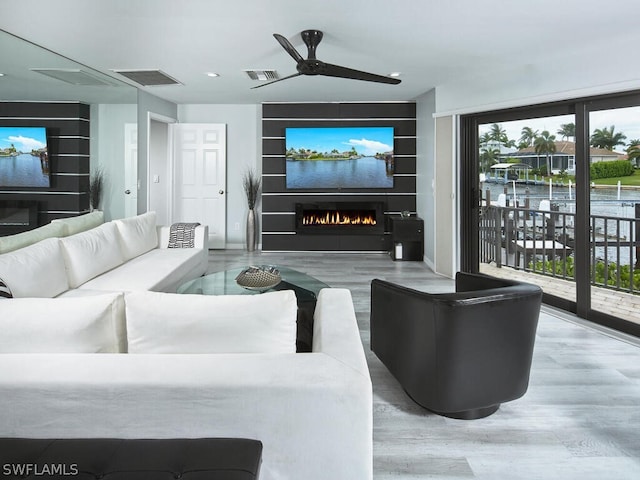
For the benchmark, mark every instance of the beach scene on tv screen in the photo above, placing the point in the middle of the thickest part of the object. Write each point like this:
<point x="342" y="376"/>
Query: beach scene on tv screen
<point x="339" y="157"/>
<point x="24" y="160"/>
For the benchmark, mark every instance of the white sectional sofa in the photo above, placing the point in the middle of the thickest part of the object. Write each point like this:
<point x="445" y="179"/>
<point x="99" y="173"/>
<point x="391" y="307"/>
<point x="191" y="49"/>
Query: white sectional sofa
<point x="121" y="255"/>
<point x="108" y="357"/>
<point x="312" y="411"/>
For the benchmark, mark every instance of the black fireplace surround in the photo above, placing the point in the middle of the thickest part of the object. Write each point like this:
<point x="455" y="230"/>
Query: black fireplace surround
<point x="360" y="218"/>
<point x="17" y="216"/>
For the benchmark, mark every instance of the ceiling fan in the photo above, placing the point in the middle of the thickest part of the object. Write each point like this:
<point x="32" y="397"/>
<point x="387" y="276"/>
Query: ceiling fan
<point x="312" y="66"/>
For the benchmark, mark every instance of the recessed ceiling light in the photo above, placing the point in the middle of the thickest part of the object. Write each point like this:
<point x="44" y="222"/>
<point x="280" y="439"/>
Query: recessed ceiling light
<point x="395" y="74"/>
<point x="212" y="74"/>
<point x="1" y="74"/>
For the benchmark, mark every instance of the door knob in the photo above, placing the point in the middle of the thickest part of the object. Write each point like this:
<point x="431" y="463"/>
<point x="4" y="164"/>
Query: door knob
<point x="127" y="191"/>
<point x="221" y="192"/>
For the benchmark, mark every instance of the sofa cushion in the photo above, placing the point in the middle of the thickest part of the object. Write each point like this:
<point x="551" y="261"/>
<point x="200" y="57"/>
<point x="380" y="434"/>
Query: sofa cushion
<point x="174" y="323"/>
<point x="62" y="325"/>
<point x="160" y="270"/>
<point x="24" y="239"/>
<point x="80" y="223"/>
<point x="137" y="234"/>
<point x="35" y="271"/>
<point x="90" y="253"/>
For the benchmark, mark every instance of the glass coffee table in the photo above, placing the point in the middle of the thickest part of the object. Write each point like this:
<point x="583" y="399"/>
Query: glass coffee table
<point x="224" y="283"/>
<point x="304" y="286"/>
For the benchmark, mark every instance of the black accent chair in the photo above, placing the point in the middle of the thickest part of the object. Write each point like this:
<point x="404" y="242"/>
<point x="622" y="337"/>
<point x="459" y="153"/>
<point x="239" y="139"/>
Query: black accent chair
<point x="458" y="354"/>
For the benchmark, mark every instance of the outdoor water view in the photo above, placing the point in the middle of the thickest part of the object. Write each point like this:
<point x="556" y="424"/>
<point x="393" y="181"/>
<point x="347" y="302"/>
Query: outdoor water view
<point x="24" y="161"/>
<point x="527" y="176"/>
<point x="339" y="157"/>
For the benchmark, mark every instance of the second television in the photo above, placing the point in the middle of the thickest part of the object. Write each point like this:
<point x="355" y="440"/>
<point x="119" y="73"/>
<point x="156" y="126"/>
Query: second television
<point x="24" y="157"/>
<point x="339" y="157"/>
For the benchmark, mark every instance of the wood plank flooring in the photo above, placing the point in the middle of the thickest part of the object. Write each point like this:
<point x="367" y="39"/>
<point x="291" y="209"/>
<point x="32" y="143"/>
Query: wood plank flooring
<point x="579" y="420"/>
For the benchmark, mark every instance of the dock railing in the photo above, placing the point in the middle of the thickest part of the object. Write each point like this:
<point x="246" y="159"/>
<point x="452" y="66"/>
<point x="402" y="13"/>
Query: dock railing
<point x="542" y="242"/>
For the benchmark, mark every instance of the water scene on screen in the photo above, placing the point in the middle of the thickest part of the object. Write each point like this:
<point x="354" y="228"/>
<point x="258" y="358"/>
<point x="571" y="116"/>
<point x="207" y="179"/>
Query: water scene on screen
<point x="339" y="157"/>
<point x="24" y="160"/>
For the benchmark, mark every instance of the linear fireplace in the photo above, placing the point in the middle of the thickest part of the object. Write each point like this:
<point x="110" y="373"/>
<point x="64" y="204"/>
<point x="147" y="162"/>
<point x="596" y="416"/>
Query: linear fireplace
<point x="363" y="218"/>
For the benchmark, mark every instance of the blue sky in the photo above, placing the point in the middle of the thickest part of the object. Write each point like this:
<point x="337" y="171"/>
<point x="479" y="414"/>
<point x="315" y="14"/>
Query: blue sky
<point x="24" y="139"/>
<point x="366" y="140"/>
<point x="625" y="120"/>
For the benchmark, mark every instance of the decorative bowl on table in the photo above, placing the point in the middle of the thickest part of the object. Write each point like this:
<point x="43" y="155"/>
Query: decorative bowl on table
<point x="259" y="278"/>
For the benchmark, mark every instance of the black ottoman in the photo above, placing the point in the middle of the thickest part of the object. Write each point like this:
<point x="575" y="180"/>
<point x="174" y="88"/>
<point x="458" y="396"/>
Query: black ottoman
<point x="131" y="459"/>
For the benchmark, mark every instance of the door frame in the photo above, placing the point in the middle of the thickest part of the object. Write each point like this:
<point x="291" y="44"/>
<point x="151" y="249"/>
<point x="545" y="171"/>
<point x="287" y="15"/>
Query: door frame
<point x="166" y="120"/>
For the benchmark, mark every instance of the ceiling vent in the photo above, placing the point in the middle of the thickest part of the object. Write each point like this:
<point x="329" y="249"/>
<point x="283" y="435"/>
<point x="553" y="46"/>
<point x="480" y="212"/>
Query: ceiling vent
<point x="149" y="78"/>
<point x="76" y="76"/>
<point x="262" y="75"/>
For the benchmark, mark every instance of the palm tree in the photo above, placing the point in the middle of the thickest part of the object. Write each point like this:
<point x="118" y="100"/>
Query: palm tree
<point x="528" y="135"/>
<point x="488" y="156"/>
<point x="484" y="139"/>
<point x="567" y="130"/>
<point x="545" y="144"/>
<point x="606" y="138"/>
<point x="633" y="151"/>
<point x="499" y="135"/>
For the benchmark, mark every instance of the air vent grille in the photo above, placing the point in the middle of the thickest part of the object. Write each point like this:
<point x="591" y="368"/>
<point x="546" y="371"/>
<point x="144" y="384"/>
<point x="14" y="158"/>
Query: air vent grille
<point x="262" y="75"/>
<point x="149" y="78"/>
<point x="75" y="76"/>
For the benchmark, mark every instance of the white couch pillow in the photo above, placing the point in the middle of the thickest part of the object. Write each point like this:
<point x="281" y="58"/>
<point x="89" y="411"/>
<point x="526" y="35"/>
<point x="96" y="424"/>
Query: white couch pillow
<point x="92" y="324"/>
<point x="138" y="234"/>
<point x="173" y="323"/>
<point x="91" y="253"/>
<point x="35" y="271"/>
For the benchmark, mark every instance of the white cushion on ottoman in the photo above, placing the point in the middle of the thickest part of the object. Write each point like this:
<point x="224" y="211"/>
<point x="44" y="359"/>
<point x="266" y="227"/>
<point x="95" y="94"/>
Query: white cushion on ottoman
<point x="138" y="234"/>
<point x="35" y="271"/>
<point x="173" y="323"/>
<point x="90" y="253"/>
<point x="63" y="325"/>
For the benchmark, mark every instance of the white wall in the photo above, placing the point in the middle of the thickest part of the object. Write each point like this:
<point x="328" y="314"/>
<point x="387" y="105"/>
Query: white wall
<point x="425" y="169"/>
<point x="243" y="151"/>
<point x="107" y="150"/>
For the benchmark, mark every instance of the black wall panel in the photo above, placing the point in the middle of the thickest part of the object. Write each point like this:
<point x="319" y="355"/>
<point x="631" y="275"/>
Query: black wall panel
<point x="68" y="126"/>
<point x="278" y="203"/>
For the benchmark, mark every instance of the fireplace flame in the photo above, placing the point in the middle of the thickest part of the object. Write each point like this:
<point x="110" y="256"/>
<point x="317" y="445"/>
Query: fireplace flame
<point x="336" y="217"/>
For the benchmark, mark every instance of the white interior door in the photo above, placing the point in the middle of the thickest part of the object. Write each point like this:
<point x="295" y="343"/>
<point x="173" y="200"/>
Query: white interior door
<point x="199" y="171"/>
<point x="130" y="169"/>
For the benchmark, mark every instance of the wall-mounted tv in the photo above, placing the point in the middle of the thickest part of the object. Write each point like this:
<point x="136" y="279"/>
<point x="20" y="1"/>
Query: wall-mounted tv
<point x="24" y="158"/>
<point x="339" y="157"/>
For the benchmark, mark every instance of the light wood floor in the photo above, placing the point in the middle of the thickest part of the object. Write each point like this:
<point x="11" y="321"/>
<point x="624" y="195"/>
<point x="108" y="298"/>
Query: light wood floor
<point x="579" y="420"/>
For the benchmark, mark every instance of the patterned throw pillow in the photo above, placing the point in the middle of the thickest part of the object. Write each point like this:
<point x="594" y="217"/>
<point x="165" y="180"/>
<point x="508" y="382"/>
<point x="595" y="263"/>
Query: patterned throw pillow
<point x="181" y="235"/>
<point x="5" y="291"/>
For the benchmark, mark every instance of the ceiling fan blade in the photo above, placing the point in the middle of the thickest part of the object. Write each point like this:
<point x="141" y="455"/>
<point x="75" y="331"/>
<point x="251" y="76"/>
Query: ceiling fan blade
<point x="274" y="81"/>
<point x="330" y="70"/>
<point x="286" y="44"/>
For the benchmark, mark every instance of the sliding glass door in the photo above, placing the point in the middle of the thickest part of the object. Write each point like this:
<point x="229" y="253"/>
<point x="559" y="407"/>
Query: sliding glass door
<point x="614" y="204"/>
<point x="550" y="195"/>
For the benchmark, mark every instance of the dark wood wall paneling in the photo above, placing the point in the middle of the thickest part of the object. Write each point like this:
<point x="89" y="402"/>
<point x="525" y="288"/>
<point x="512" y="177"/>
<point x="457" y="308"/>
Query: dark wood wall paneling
<point x="68" y="135"/>
<point x="278" y="203"/>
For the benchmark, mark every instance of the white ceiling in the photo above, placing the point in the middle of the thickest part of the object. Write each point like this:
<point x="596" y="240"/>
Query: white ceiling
<point x="432" y="42"/>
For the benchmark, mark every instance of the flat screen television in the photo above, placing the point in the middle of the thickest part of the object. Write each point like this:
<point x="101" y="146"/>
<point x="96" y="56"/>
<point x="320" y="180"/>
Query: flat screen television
<point x="24" y="157"/>
<point x="339" y="157"/>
